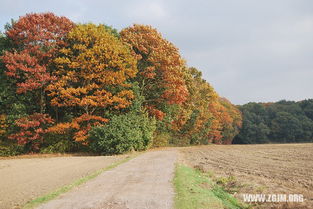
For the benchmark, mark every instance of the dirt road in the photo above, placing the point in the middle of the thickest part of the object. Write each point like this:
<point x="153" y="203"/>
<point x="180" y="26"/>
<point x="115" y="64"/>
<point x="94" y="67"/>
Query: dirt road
<point x="142" y="183"/>
<point x="24" y="179"/>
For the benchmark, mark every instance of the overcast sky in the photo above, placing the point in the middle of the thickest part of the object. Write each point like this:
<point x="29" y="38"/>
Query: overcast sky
<point x="249" y="50"/>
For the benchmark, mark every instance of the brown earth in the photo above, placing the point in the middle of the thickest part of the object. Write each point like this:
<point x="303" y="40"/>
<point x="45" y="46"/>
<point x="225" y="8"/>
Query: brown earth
<point x="23" y="179"/>
<point x="255" y="169"/>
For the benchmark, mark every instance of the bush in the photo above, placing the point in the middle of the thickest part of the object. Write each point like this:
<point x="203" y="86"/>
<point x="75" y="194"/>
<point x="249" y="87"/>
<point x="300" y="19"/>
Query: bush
<point x="161" y="139"/>
<point x="10" y="149"/>
<point x="61" y="143"/>
<point x="59" y="147"/>
<point x="123" y="133"/>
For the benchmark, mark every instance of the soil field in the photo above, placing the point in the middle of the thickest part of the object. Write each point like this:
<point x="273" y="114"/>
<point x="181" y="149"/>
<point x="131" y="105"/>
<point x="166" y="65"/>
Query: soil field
<point x="258" y="169"/>
<point x="24" y="179"/>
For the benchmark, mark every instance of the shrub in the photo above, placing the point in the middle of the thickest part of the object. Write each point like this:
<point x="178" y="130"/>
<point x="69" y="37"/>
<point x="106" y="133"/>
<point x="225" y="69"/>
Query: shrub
<point x="59" y="147"/>
<point x="123" y="133"/>
<point x="161" y="139"/>
<point x="61" y="143"/>
<point x="10" y="149"/>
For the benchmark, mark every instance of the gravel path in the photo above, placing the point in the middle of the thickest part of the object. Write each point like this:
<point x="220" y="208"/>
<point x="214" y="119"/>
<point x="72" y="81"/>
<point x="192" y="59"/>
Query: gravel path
<point x="24" y="179"/>
<point x="142" y="183"/>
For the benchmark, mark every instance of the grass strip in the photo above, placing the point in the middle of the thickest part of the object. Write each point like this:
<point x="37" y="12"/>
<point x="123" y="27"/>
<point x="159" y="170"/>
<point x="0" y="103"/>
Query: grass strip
<point x="66" y="188"/>
<point x="195" y="190"/>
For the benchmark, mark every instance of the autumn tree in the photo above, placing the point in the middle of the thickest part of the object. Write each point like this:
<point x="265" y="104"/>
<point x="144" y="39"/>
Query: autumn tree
<point x="160" y="68"/>
<point x="36" y="38"/>
<point x="59" y="81"/>
<point x="194" y="117"/>
<point x="93" y="74"/>
<point x="231" y="120"/>
<point x="226" y="121"/>
<point x="205" y="117"/>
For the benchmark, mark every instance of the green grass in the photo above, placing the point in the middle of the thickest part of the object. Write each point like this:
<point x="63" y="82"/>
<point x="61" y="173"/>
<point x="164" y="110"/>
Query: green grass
<point x="195" y="190"/>
<point x="66" y="188"/>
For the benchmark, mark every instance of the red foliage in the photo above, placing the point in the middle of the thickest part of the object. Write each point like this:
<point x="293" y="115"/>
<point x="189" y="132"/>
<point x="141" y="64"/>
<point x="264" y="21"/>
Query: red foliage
<point x="38" y="37"/>
<point x="158" y="114"/>
<point x="31" y="128"/>
<point x="40" y="33"/>
<point x="35" y="75"/>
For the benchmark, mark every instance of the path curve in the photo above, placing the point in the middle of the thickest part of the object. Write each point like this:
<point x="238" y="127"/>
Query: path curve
<point x="142" y="183"/>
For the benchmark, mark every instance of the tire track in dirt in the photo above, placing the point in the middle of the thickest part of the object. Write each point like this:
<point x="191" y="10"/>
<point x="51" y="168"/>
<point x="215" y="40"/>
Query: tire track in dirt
<point x="143" y="182"/>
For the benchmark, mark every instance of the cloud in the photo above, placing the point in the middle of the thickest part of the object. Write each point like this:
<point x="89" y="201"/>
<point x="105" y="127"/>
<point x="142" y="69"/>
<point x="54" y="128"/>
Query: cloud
<point x="149" y="10"/>
<point x="249" y="50"/>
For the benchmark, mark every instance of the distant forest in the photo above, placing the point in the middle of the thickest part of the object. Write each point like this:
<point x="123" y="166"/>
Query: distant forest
<point x="280" y="122"/>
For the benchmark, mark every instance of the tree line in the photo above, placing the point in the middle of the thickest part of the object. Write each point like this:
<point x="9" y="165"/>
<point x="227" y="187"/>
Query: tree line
<point x="68" y="87"/>
<point x="280" y="122"/>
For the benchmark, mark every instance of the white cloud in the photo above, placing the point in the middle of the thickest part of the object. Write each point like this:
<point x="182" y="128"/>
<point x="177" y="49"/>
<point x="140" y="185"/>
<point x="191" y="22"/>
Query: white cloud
<point x="147" y="10"/>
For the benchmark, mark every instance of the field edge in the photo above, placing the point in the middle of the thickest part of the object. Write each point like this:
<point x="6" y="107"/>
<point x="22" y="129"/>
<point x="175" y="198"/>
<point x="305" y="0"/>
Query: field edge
<point x="195" y="189"/>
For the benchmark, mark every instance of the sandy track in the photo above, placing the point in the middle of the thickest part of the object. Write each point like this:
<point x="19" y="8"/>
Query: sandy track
<point x="143" y="182"/>
<point x="24" y="179"/>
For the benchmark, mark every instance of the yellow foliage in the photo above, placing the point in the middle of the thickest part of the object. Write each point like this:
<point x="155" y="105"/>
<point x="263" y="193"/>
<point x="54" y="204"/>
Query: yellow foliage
<point x="93" y="70"/>
<point x="3" y="125"/>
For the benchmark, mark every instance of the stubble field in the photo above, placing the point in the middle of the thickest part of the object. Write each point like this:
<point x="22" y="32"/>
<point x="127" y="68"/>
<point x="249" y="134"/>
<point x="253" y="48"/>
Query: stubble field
<point x="258" y="169"/>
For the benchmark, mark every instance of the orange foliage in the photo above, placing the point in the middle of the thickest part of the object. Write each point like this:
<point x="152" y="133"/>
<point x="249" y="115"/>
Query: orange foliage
<point x="80" y="125"/>
<point x="159" y="115"/>
<point x="217" y="110"/>
<point x="87" y="69"/>
<point x="201" y="95"/>
<point x="160" y="66"/>
<point x="204" y="112"/>
<point x="227" y="121"/>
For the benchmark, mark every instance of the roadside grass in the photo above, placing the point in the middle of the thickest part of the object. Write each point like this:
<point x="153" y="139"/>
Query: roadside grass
<point x="196" y="190"/>
<point x="50" y="196"/>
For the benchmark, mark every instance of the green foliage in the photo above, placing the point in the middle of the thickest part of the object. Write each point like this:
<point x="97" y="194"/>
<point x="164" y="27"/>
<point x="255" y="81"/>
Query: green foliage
<point x="228" y="183"/>
<point x="112" y="30"/>
<point x="61" y="143"/>
<point x="10" y="149"/>
<point x="59" y="147"/>
<point x="307" y="107"/>
<point x="285" y="127"/>
<point x="161" y="139"/>
<point x="123" y="133"/>
<point x="280" y="122"/>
